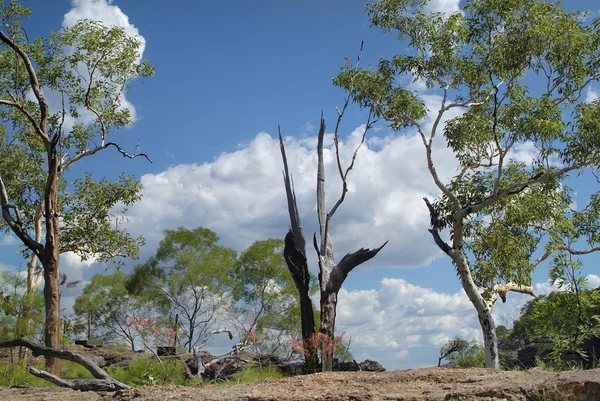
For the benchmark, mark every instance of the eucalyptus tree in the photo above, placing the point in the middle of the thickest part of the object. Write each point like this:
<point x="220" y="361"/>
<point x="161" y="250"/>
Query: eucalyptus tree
<point x="189" y="279"/>
<point x="515" y="72"/>
<point x="87" y="67"/>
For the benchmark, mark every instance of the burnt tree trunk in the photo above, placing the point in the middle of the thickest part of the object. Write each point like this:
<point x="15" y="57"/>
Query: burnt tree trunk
<point x="295" y="256"/>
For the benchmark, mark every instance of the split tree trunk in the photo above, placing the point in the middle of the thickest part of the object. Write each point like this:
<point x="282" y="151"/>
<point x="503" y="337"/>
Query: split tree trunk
<point x="332" y="275"/>
<point x="295" y="256"/>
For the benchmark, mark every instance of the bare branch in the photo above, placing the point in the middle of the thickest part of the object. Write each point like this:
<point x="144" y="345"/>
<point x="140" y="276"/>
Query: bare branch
<point x="351" y="260"/>
<point x="15" y="225"/>
<point x="435" y="228"/>
<point x="90" y="152"/>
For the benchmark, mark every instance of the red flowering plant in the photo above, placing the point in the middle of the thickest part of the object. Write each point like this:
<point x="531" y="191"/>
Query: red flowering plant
<point x="317" y="344"/>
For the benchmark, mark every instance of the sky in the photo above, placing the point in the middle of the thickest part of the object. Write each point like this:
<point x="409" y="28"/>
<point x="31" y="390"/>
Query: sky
<point x="227" y="74"/>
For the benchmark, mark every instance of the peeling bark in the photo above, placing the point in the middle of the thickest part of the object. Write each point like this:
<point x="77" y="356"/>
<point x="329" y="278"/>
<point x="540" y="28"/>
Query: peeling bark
<point x="102" y="381"/>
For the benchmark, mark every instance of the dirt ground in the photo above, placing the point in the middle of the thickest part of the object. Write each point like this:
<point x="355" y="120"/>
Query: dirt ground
<point x="421" y="384"/>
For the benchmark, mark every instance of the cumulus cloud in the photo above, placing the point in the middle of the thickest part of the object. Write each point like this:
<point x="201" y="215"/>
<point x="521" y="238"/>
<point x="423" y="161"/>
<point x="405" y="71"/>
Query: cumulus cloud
<point x="104" y="11"/>
<point x="240" y="196"/>
<point x="403" y="325"/>
<point x="593" y="281"/>
<point x="590" y="95"/>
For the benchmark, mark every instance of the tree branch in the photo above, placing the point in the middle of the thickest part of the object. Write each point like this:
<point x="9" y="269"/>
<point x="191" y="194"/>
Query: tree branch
<point x="435" y="228"/>
<point x="351" y="260"/>
<point x="502" y="289"/>
<point x="90" y="152"/>
<point x="35" y="87"/>
<point x="15" y="225"/>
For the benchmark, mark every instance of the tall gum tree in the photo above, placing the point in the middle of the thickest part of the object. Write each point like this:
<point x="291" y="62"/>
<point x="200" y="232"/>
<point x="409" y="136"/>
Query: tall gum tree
<point x="89" y="67"/>
<point x="516" y="72"/>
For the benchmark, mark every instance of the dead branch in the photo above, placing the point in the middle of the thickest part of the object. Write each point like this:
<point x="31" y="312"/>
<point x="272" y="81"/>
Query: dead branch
<point x="435" y="227"/>
<point x="102" y="381"/>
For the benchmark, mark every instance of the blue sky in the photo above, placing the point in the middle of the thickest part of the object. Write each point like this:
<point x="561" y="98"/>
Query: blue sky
<point x="227" y="73"/>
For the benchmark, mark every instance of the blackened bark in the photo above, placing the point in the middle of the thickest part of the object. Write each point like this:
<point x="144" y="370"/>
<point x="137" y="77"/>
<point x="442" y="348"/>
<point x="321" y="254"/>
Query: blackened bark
<point x="295" y="256"/>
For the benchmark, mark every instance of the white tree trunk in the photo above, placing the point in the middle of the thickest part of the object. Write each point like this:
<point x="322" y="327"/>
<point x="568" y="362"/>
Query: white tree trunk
<point x="484" y="313"/>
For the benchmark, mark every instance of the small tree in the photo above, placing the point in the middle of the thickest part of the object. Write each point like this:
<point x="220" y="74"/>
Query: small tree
<point x="106" y="307"/>
<point x="463" y="353"/>
<point x="266" y="294"/>
<point x="188" y="276"/>
<point x="89" y="66"/>
<point x="452" y="346"/>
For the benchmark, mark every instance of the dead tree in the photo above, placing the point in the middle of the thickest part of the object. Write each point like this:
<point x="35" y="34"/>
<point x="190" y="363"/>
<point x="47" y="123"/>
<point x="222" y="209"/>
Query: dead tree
<point x="331" y="274"/>
<point x="102" y="381"/>
<point x="294" y="252"/>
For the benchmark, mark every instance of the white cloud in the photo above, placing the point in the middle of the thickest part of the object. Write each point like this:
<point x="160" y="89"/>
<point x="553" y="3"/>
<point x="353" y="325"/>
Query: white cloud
<point x="593" y="281"/>
<point x="444" y="6"/>
<point x="402" y="325"/>
<point x="240" y="196"/>
<point x="104" y="11"/>
<point x="591" y="95"/>
<point x="8" y="239"/>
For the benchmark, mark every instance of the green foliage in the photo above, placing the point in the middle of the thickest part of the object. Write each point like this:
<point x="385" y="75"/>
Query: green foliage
<point x="464" y="354"/>
<point x="266" y="295"/>
<point x="15" y="374"/>
<point x="559" y="323"/>
<point x="90" y="66"/>
<point x="147" y="371"/>
<point x="252" y="372"/>
<point x="188" y="277"/>
<point x="108" y="308"/>
<point x="12" y="307"/>
<point x="342" y="351"/>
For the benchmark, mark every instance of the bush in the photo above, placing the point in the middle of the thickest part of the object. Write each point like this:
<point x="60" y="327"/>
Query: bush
<point x="147" y="371"/>
<point x="252" y="372"/>
<point x="16" y="374"/>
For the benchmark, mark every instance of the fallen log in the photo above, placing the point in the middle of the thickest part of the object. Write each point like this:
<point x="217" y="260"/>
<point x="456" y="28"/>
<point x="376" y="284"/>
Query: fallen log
<point x="102" y="381"/>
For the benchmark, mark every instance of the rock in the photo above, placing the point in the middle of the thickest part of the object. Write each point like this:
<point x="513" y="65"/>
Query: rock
<point x="371" y="366"/>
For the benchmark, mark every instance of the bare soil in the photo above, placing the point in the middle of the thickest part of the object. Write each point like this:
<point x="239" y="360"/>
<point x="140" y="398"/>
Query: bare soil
<point x="421" y="384"/>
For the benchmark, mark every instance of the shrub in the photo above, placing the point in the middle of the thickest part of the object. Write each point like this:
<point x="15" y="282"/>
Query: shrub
<point x="252" y="372"/>
<point x="16" y="374"/>
<point x="147" y="371"/>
